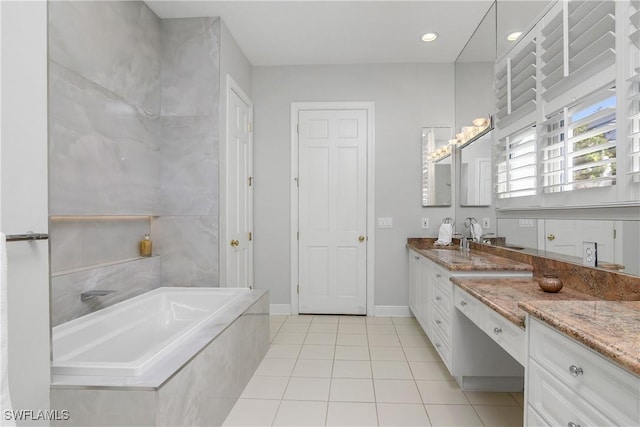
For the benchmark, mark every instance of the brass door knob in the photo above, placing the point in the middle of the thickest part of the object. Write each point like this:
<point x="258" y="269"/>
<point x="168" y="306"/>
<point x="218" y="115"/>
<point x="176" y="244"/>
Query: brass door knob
<point x="551" y="237"/>
<point x="361" y="239"/>
<point x="235" y="243"/>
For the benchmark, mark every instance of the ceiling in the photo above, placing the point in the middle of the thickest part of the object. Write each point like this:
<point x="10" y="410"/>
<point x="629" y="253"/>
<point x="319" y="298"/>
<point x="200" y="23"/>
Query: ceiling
<point x="305" y="32"/>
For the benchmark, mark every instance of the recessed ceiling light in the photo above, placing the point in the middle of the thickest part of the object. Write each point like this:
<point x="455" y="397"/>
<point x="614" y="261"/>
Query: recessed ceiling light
<point x="514" y="36"/>
<point x="429" y="37"/>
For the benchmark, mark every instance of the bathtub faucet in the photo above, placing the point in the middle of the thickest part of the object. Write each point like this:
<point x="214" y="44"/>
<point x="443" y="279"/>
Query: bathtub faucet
<point x="85" y="296"/>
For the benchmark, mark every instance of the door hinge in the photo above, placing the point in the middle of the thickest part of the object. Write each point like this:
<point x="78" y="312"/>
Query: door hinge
<point x="298" y="128"/>
<point x="250" y="236"/>
<point x="250" y="127"/>
<point x="297" y="180"/>
<point x="615" y="233"/>
<point x="297" y="235"/>
<point x="298" y="289"/>
<point x="250" y="181"/>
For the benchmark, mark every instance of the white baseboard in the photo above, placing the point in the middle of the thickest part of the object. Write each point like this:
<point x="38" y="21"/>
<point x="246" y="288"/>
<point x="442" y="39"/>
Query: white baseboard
<point x="392" y="311"/>
<point x="379" y="310"/>
<point x="280" y="309"/>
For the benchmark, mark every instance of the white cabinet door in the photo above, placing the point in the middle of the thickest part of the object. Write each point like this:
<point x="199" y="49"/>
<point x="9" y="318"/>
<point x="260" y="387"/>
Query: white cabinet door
<point x="414" y="280"/>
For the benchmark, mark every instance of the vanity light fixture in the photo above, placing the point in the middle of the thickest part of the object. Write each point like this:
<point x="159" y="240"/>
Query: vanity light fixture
<point x="514" y="36"/>
<point x="469" y="134"/>
<point x="429" y="37"/>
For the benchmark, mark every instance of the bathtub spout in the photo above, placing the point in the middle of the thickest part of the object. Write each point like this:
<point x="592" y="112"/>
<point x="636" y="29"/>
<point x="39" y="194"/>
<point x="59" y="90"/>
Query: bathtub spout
<point x="85" y="296"/>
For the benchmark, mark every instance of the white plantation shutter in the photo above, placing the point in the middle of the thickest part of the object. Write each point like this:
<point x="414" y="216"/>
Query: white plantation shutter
<point x="578" y="42"/>
<point x="515" y="88"/>
<point x="577" y="146"/>
<point x="633" y="115"/>
<point x="516" y="164"/>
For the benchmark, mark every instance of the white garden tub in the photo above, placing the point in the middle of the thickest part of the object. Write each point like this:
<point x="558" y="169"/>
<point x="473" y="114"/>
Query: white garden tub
<point x="129" y="337"/>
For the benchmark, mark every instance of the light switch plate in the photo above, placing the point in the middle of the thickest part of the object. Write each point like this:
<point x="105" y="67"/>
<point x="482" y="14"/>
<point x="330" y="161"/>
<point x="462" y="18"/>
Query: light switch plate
<point x="486" y="223"/>
<point x="589" y="254"/>
<point x="385" y="222"/>
<point x="425" y="222"/>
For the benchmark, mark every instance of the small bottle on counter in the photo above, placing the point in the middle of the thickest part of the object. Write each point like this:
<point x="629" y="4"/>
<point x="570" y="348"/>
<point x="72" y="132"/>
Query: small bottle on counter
<point x="146" y="246"/>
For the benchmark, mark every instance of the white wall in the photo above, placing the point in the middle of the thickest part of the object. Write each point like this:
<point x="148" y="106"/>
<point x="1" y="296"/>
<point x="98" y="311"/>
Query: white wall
<point x="407" y="97"/>
<point x="24" y="199"/>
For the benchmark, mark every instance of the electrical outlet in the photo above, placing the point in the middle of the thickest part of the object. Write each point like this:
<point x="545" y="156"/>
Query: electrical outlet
<point x="590" y="254"/>
<point x="486" y="223"/>
<point x="425" y="222"/>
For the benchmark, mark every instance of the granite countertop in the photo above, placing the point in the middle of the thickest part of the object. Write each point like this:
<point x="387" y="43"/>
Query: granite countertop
<point x="611" y="328"/>
<point x="455" y="259"/>
<point x="504" y="294"/>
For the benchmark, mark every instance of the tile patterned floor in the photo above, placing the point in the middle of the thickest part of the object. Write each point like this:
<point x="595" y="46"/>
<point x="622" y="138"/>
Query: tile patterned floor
<point x="361" y="371"/>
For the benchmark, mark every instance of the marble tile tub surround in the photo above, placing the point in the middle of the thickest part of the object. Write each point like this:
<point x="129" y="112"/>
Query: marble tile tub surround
<point x="189" y="248"/>
<point x="202" y="391"/>
<point x="127" y="279"/>
<point x="186" y="234"/>
<point x="133" y="106"/>
<point x="78" y="242"/>
<point x="601" y="284"/>
<point x="611" y="328"/>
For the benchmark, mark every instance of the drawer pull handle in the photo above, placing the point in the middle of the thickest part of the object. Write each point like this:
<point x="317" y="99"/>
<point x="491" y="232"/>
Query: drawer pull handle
<point x="438" y="321"/>
<point x="575" y="371"/>
<point x="463" y="303"/>
<point x="416" y="257"/>
<point x="497" y="330"/>
<point x="572" y="424"/>
<point x="437" y="345"/>
<point x="438" y="298"/>
<point x="438" y="275"/>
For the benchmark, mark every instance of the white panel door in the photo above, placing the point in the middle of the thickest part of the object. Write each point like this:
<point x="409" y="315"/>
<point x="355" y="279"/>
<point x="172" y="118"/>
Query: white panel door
<point x="239" y="195"/>
<point x="567" y="237"/>
<point x="332" y="211"/>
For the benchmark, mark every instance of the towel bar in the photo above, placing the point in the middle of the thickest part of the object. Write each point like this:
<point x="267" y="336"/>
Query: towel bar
<point x="26" y="237"/>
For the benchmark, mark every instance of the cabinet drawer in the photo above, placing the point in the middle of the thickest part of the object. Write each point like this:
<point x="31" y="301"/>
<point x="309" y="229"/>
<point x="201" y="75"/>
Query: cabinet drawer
<point x="443" y="347"/>
<point x="441" y="276"/>
<point x="442" y="297"/>
<point x="441" y="322"/>
<point x="558" y="404"/>
<point x="534" y="419"/>
<point x="607" y="387"/>
<point x="510" y="337"/>
<point x="468" y="305"/>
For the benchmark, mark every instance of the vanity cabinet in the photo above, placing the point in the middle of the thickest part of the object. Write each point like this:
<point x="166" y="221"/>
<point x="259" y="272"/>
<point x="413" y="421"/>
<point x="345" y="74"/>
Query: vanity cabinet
<point x="570" y="384"/>
<point x="418" y="294"/>
<point x="507" y="335"/>
<point x="430" y="297"/>
<point x="473" y="358"/>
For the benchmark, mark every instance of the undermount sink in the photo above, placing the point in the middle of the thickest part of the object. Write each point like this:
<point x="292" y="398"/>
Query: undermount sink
<point x="517" y="248"/>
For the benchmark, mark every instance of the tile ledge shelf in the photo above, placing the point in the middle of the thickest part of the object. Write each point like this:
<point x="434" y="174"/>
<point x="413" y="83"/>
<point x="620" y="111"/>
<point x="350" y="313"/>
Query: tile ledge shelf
<point x="58" y="218"/>
<point x="106" y="264"/>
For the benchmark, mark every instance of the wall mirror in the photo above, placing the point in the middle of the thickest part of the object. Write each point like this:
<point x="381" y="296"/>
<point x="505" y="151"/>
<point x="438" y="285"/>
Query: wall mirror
<point x="475" y="173"/>
<point x="618" y="241"/>
<point x="436" y="166"/>
<point x="473" y="100"/>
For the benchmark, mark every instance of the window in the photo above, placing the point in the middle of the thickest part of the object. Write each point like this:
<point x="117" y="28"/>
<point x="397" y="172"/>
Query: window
<point x="516" y="165"/>
<point x="578" y="145"/>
